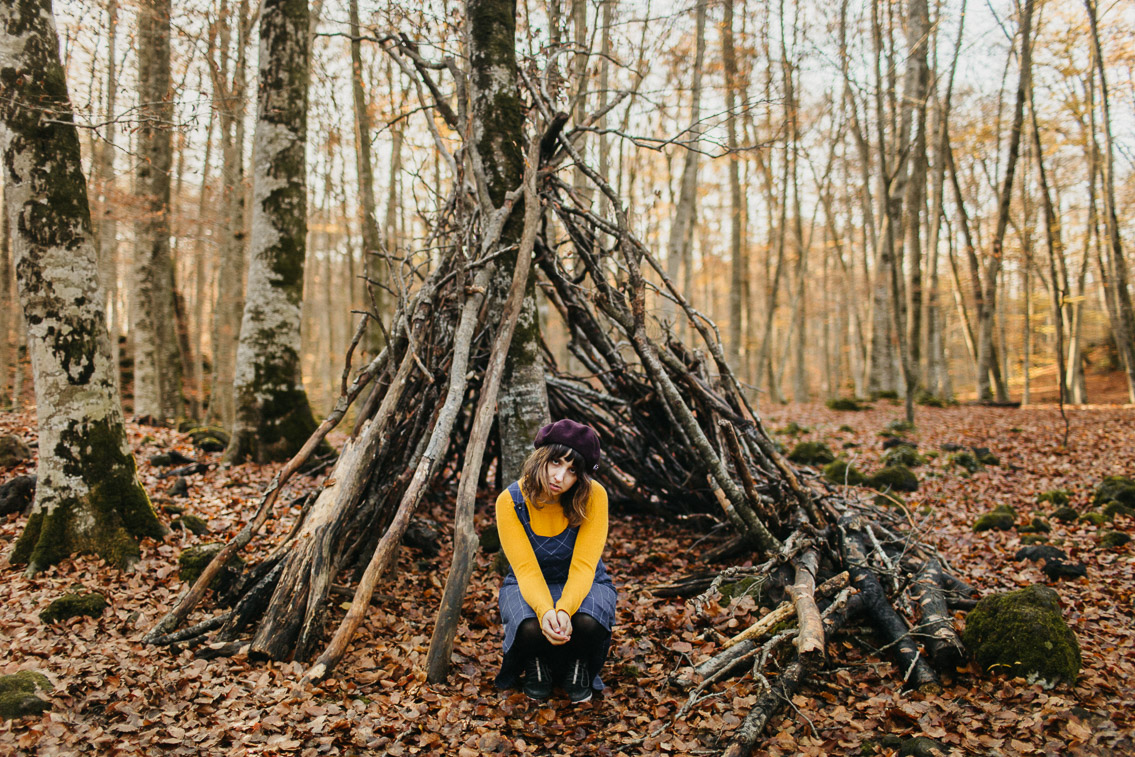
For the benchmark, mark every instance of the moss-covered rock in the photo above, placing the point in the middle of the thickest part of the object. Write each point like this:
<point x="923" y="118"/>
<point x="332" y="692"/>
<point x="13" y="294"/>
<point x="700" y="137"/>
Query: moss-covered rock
<point x="1110" y="539"/>
<point x="846" y="404"/>
<point x="965" y="460"/>
<point x="207" y="438"/>
<point x="1023" y="633"/>
<point x="1093" y="518"/>
<point x="736" y="589"/>
<point x="193" y="561"/>
<point x="13" y="451"/>
<point x="1058" y="497"/>
<point x="1028" y="539"/>
<point x="985" y="456"/>
<point x="904" y="454"/>
<point x="932" y="400"/>
<point x="1036" y="526"/>
<point x="1115" y="489"/>
<point x="846" y="429"/>
<point x="890" y="499"/>
<point x="894" y="477"/>
<point x="74" y="605"/>
<point x="793" y="429"/>
<point x="17" y="495"/>
<point x="899" y="426"/>
<point x="998" y="519"/>
<point x="1115" y="507"/>
<point x="886" y="394"/>
<point x="18" y="694"/>
<point x="840" y="471"/>
<point x="1065" y="514"/>
<point x="811" y="453"/>
<point x="192" y="523"/>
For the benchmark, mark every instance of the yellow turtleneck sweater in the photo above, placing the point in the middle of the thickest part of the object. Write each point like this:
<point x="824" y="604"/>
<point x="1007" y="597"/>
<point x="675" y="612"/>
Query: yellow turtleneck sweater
<point x="549" y="520"/>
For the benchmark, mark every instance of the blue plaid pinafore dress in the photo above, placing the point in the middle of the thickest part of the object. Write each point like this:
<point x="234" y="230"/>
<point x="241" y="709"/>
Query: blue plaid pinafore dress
<point x="553" y="553"/>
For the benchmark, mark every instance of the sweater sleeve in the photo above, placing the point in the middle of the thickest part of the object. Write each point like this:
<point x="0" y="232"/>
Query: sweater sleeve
<point x="589" y="546"/>
<point x="520" y="556"/>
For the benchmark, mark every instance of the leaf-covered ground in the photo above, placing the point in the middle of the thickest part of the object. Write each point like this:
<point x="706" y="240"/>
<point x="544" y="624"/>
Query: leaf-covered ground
<point x="112" y="695"/>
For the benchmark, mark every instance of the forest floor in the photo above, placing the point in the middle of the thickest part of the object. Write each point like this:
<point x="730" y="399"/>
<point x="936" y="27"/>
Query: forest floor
<point x="113" y="695"/>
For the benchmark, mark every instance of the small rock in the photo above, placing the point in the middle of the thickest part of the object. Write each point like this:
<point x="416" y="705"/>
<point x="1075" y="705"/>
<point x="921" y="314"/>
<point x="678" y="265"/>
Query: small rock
<point x="1058" y="497"/>
<point x="173" y="457"/>
<point x="1115" y="507"/>
<point x="173" y="509"/>
<point x="423" y="534"/>
<point x="952" y="447"/>
<point x="903" y="454"/>
<point x="895" y="477"/>
<point x="1057" y="569"/>
<point x="194" y="560"/>
<point x="922" y="746"/>
<point x="74" y="605"/>
<point x="1115" y="489"/>
<point x="811" y="453"/>
<point x="1040" y="552"/>
<point x="179" y="488"/>
<point x="190" y="523"/>
<point x="1000" y="520"/>
<point x="1093" y="518"/>
<point x="1111" y="539"/>
<point x="1023" y="633"/>
<point x="1065" y="514"/>
<point x="965" y="460"/>
<point x="893" y="442"/>
<point x="1036" y="526"/>
<point x="985" y="457"/>
<point x="13" y="451"/>
<point x="840" y="471"/>
<point x="1033" y="539"/>
<point x="17" y="495"/>
<point x="846" y="404"/>
<point x="18" y="694"/>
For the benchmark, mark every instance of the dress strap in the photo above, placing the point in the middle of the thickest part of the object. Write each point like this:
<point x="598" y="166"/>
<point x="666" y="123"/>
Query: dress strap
<point x="519" y="504"/>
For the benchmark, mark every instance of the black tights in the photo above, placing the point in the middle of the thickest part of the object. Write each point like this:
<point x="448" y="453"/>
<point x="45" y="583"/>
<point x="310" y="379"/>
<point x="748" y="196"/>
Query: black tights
<point x="586" y="634"/>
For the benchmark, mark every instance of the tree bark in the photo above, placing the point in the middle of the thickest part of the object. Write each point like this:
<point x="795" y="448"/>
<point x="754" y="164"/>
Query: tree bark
<point x="88" y="497"/>
<point x="739" y="262"/>
<point x="682" y="225"/>
<point x="372" y="244"/>
<point x="157" y="359"/>
<point x="1125" y="324"/>
<point x="228" y="99"/>
<point x="986" y="358"/>
<point x="273" y="417"/>
<point x="498" y="158"/>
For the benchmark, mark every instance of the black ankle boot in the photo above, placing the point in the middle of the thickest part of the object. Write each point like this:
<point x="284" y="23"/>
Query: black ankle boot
<point x="537" y="679"/>
<point x="577" y="685"/>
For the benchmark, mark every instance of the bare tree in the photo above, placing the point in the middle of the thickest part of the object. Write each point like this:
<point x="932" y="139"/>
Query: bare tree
<point x="88" y="497"/>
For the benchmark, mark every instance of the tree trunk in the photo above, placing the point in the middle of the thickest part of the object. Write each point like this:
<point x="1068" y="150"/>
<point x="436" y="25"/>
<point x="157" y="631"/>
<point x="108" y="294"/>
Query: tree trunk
<point x="1125" y="333"/>
<point x="986" y="358"/>
<point x="106" y="226"/>
<point x="88" y="498"/>
<point x="499" y="160"/>
<point x="372" y="244"/>
<point x="9" y="305"/>
<point x="681" y="227"/>
<point x="273" y="417"/>
<point x="228" y="99"/>
<point x="739" y="263"/>
<point x="157" y="360"/>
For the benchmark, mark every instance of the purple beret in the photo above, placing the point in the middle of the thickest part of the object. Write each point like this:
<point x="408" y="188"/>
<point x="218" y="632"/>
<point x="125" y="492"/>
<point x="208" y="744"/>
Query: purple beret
<point x="577" y="436"/>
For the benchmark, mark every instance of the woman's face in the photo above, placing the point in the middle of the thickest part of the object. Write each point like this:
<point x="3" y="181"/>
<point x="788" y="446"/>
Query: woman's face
<point x="561" y="475"/>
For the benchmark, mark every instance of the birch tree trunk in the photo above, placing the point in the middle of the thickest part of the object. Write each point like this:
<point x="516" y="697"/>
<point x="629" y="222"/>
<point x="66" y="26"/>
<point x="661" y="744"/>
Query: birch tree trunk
<point x="498" y="121"/>
<point x="157" y="360"/>
<point x="273" y="417"/>
<point x="88" y="498"/>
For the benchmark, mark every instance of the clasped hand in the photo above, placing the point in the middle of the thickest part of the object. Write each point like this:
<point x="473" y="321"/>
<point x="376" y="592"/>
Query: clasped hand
<point x="556" y="626"/>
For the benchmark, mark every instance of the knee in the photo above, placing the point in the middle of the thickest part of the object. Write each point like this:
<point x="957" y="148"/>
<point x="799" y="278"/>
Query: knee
<point x="529" y="631"/>
<point x="586" y="625"/>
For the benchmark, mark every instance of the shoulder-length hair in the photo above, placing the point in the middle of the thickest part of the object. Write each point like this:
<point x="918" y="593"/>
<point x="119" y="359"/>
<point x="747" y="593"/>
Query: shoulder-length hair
<point x="534" y="481"/>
